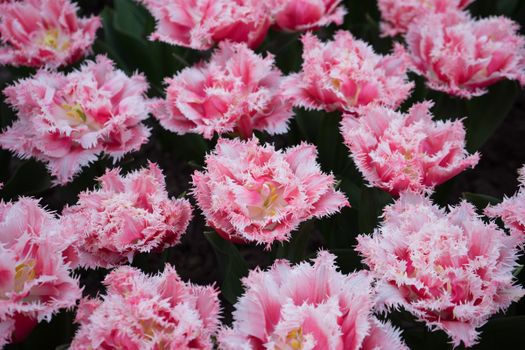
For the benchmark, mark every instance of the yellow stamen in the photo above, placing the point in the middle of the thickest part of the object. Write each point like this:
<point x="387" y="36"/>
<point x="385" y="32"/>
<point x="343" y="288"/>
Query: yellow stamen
<point x="52" y="40"/>
<point x="75" y="112"/>
<point x="24" y="272"/>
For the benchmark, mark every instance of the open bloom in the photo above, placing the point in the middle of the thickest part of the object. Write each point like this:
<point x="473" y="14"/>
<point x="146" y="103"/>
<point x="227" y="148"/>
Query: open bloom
<point x="250" y="192"/>
<point x="125" y="216"/>
<point x="237" y="90"/>
<point x="512" y="210"/>
<point x="398" y="15"/>
<point x="44" y="32"/>
<point x="198" y="24"/>
<point x="148" y="312"/>
<point x="34" y="279"/>
<point x="451" y="270"/>
<point x="346" y="73"/>
<point x="462" y="56"/>
<point x="66" y="120"/>
<point x="310" y="307"/>
<point x="298" y="15"/>
<point x="396" y="151"/>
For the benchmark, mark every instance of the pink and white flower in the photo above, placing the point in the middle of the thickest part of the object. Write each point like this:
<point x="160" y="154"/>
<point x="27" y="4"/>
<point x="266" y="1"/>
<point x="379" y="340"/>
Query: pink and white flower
<point x="310" y="307"/>
<point x="67" y="120"/>
<point x="39" y="33"/>
<point x="125" y="216"/>
<point x="299" y="15"/>
<point x="199" y="24"/>
<point x="462" y="56"/>
<point x="398" y="15"/>
<point x="250" y="192"/>
<point x="237" y="90"/>
<point x="148" y="312"/>
<point x="396" y="151"/>
<point x="346" y="73"/>
<point x="451" y="270"/>
<point x="35" y="281"/>
<point x="512" y="210"/>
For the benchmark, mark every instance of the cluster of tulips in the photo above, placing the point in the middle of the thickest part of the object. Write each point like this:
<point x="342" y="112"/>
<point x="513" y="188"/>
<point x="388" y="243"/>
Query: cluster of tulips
<point x="451" y="268"/>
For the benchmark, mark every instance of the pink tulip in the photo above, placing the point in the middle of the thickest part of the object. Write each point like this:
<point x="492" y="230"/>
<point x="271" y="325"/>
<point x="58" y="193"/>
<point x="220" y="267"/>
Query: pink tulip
<point x="125" y="216"/>
<point x="450" y="270"/>
<point x="398" y="15"/>
<point x="237" y="90"/>
<point x="199" y="24"/>
<point x="309" y="307"/>
<point x="512" y="210"/>
<point x="396" y="151"/>
<point x="299" y="15"/>
<point x="39" y="33"/>
<point x="35" y="281"/>
<point x="141" y="312"/>
<point x="250" y="192"/>
<point x="67" y="120"/>
<point x="462" y="56"/>
<point x="346" y="73"/>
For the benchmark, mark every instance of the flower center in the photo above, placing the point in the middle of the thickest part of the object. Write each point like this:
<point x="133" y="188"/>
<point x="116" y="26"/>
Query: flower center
<point x="24" y="272"/>
<point x="53" y="40"/>
<point x="270" y="201"/>
<point x="294" y="340"/>
<point x="75" y="112"/>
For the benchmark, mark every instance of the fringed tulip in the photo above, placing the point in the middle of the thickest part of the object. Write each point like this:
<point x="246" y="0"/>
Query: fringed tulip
<point x="309" y="307"/>
<point x="199" y="24"/>
<point x="254" y="193"/>
<point x="237" y="90"/>
<point x="125" y="216"/>
<point x="450" y="270"/>
<point x="67" y="120"/>
<point x="35" y="281"/>
<point x="141" y="312"/>
<point x="398" y="15"/>
<point x="512" y="210"/>
<point x="299" y="15"/>
<point x="462" y="56"/>
<point x="396" y="151"/>
<point x="40" y="33"/>
<point x="346" y="73"/>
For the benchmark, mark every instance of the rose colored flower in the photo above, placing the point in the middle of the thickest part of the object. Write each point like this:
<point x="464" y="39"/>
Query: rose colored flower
<point x="451" y="270"/>
<point x="237" y="90"/>
<point x="299" y="15"/>
<point x="254" y="193"/>
<point x="396" y="151"/>
<point x="34" y="279"/>
<point x="44" y="32"/>
<point x="398" y="15"/>
<point x="310" y="307"/>
<point x="125" y="216"/>
<point x="141" y="312"/>
<point x="512" y="210"/>
<point x="199" y="24"/>
<point x="68" y="120"/>
<point x="346" y="73"/>
<point x="462" y="56"/>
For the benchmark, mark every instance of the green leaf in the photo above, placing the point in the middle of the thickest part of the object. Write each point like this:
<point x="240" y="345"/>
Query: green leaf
<point x="232" y="266"/>
<point x="517" y="271"/>
<point x="487" y="112"/>
<point x="30" y="178"/>
<point x="348" y="260"/>
<point x="371" y="207"/>
<point x="480" y="201"/>
<point x="502" y="333"/>
<point x="130" y="19"/>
